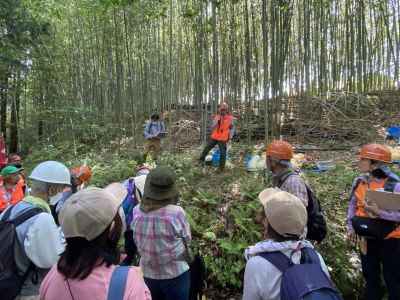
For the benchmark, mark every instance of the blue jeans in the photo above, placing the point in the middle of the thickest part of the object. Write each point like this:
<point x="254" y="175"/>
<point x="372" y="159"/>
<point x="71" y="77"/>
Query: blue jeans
<point x="169" y="289"/>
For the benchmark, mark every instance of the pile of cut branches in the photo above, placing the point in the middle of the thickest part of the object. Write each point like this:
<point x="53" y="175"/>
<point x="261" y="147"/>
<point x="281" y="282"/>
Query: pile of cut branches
<point x="340" y="117"/>
<point x="183" y="134"/>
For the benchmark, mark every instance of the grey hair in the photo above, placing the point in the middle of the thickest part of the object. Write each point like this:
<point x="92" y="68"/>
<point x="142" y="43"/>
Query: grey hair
<point x="38" y="187"/>
<point x="282" y="162"/>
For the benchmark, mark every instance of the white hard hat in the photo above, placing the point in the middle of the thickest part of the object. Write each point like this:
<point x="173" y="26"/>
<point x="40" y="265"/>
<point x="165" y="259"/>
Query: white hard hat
<point x="51" y="172"/>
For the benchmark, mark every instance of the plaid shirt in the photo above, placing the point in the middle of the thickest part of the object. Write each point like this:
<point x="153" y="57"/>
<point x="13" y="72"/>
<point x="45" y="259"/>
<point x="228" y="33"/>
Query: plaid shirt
<point x="295" y="185"/>
<point x="159" y="236"/>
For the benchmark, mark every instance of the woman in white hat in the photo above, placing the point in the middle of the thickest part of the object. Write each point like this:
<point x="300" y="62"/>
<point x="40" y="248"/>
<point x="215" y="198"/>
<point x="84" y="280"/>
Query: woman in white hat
<point x="87" y="268"/>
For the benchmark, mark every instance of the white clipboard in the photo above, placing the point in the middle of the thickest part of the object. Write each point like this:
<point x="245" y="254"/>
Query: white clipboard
<point x="384" y="200"/>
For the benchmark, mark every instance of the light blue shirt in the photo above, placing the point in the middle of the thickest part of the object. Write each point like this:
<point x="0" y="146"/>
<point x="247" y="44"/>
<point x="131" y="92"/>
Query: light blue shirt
<point x="153" y="129"/>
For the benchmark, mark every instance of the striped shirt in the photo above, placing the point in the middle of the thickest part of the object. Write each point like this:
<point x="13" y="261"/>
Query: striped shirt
<point x="159" y="236"/>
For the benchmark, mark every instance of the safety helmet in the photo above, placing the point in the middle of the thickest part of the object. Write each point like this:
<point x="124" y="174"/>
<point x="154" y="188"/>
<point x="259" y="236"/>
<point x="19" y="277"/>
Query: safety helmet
<point x="280" y="150"/>
<point x="83" y="173"/>
<point x="51" y="172"/>
<point x="376" y="152"/>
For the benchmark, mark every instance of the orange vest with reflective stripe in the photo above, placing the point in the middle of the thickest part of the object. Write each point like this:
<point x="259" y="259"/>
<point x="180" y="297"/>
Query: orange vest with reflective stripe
<point x="222" y="130"/>
<point x="16" y="196"/>
<point x="360" y="194"/>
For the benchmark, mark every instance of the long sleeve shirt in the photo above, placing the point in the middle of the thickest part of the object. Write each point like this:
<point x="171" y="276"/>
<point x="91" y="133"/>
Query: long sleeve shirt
<point x="41" y="240"/>
<point x="389" y="215"/>
<point x="293" y="184"/>
<point x="262" y="280"/>
<point x="153" y="129"/>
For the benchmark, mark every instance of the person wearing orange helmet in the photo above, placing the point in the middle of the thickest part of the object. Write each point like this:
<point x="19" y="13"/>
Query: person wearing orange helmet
<point x="376" y="230"/>
<point x="278" y="156"/>
<point x="80" y="177"/>
<point x="222" y="130"/>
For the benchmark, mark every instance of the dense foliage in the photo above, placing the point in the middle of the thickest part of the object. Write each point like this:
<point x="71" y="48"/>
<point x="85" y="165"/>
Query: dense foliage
<point x="222" y="210"/>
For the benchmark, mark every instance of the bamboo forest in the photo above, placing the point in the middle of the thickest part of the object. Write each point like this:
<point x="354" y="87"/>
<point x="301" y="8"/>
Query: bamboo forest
<point x="215" y="90"/>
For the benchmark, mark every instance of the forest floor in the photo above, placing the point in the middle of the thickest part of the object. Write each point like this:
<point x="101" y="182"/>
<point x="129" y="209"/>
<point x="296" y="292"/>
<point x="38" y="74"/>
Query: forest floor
<point x="222" y="208"/>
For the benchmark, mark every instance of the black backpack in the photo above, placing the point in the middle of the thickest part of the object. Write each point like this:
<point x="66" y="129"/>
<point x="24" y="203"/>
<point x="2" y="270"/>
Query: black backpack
<point x="316" y="224"/>
<point x="198" y="274"/>
<point x="11" y="280"/>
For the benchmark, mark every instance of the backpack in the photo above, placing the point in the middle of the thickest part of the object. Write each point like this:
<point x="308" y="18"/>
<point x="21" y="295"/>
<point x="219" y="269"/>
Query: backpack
<point x="130" y="201"/>
<point x="128" y="204"/>
<point x="316" y="224"/>
<point x="304" y="281"/>
<point x="117" y="286"/>
<point x="11" y="280"/>
<point x="198" y="274"/>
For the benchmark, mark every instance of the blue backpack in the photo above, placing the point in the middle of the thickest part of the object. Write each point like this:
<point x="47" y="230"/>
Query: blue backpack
<point x="128" y="204"/>
<point x="117" y="286"/>
<point x="304" y="281"/>
<point x="130" y="201"/>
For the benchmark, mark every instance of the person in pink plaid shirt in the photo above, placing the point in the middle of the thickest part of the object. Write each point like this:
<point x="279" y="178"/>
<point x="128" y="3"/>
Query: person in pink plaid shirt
<point x="162" y="235"/>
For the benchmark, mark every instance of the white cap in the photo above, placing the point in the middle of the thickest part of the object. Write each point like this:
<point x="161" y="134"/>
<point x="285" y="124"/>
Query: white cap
<point x="89" y="212"/>
<point x="286" y="214"/>
<point x="51" y="172"/>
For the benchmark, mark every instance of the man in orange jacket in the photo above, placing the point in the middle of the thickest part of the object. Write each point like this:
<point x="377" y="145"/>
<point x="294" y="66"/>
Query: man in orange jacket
<point x="12" y="188"/>
<point x="222" y="132"/>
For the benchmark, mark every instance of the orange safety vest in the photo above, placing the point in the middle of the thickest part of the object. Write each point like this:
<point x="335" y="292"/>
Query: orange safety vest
<point x="17" y="195"/>
<point x="360" y="194"/>
<point x="222" y="130"/>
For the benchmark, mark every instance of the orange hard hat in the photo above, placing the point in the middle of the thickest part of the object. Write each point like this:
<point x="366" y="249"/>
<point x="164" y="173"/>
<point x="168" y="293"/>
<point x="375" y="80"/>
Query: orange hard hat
<point x="376" y="152"/>
<point x="280" y="150"/>
<point x="83" y="173"/>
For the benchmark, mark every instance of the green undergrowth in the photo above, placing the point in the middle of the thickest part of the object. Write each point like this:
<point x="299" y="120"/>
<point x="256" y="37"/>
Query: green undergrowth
<point x="223" y="220"/>
<point x="222" y="209"/>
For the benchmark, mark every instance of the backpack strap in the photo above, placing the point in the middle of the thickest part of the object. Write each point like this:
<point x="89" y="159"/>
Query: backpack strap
<point x="278" y="259"/>
<point x="309" y="256"/>
<point x="7" y="214"/>
<point x="284" y="177"/>
<point x="25" y="216"/>
<point x="117" y="285"/>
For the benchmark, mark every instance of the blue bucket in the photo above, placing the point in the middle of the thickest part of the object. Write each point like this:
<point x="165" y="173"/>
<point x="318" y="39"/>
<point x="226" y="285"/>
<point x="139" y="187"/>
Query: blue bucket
<point x="247" y="159"/>
<point x="216" y="157"/>
<point x="393" y="131"/>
